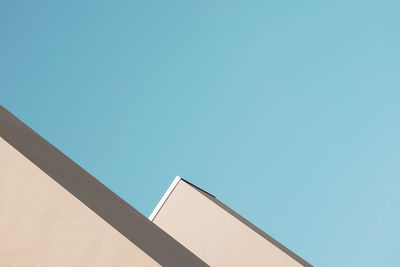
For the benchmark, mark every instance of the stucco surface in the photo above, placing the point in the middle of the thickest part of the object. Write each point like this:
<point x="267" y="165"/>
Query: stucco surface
<point x="42" y="224"/>
<point x="213" y="234"/>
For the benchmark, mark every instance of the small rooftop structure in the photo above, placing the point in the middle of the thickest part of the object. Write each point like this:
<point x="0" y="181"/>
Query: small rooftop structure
<point x="216" y="233"/>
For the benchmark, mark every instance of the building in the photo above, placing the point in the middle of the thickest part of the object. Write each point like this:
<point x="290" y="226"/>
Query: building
<point x="54" y="213"/>
<point x="214" y="232"/>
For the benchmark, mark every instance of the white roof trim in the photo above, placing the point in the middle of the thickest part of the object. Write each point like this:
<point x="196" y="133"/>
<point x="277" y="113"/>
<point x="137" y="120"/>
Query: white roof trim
<point x="164" y="198"/>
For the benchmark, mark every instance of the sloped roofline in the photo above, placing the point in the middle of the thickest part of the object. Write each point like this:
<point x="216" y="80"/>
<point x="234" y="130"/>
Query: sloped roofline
<point x="168" y="193"/>
<point x="231" y="212"/>
<point x="114" y="210"/>
<point x="164" y="197"/>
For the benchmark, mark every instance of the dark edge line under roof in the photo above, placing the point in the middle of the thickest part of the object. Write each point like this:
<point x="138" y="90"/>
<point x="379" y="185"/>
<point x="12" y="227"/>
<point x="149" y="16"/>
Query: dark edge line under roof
<point x="119" y="214"/>
<point x="198" y="188"/>
<point x="251" y="226"/>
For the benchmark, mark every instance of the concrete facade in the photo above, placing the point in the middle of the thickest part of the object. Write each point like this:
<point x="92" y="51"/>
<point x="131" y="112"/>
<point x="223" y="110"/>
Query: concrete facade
<point x="54" y="213"/>
<point x="215" y="233"/>
<point x="42" y="224"/>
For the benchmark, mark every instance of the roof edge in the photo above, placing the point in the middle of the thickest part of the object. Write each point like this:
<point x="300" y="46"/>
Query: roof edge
<point x="147" y="236"/>
<point x="168" y="193"/>
<point x="252" y="226"/>
<point x="233" y="213"/>
<point x="164" y="197"/>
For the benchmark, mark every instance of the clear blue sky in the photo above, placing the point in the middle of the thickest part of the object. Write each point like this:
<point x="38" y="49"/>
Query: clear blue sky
<point x="287" y="111"/>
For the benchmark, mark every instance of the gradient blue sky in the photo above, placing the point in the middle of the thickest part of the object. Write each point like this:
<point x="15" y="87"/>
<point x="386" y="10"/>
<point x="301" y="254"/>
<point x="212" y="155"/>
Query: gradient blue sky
<point x="287" y="111"/>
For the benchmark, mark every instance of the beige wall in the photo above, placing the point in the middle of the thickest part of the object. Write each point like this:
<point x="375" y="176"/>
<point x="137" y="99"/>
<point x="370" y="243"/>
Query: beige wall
<point x="213" y="234"/>
<point x="42" y="224"/>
